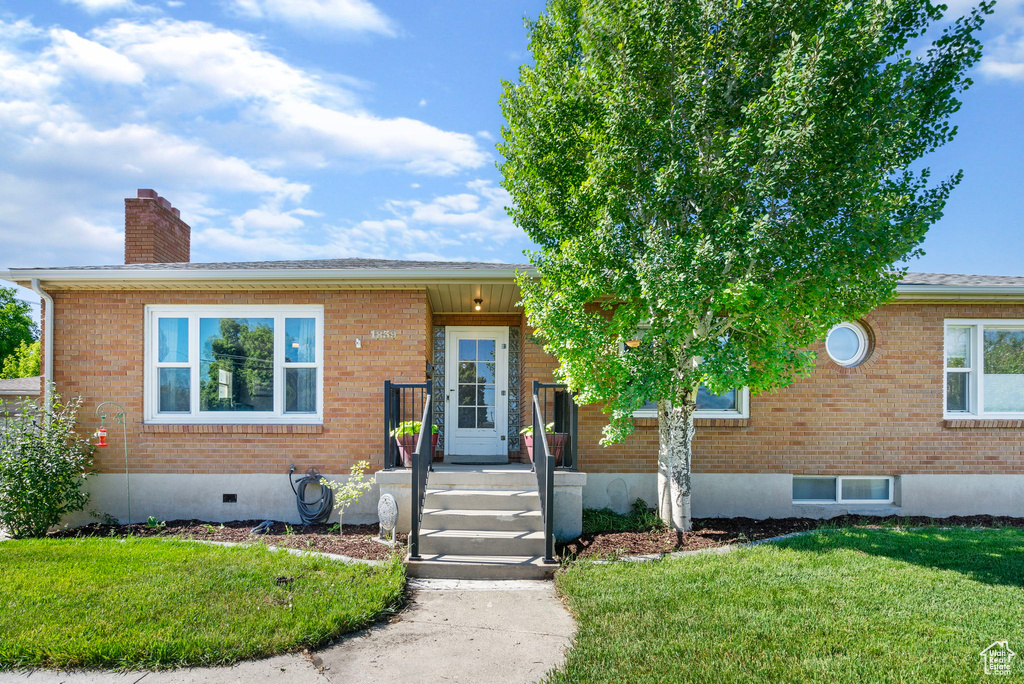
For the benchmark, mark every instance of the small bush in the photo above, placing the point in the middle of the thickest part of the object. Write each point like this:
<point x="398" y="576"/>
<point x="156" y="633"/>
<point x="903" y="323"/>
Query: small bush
<point x="639" y="519"/>
<point x="43" y="464"/>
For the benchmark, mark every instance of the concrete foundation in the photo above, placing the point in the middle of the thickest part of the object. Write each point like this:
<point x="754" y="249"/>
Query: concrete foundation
<point x="184" y="496"/>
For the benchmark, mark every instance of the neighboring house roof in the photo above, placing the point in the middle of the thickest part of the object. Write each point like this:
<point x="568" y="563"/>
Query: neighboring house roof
<point x="20" y="386"/>
<point x="958" y="280"/>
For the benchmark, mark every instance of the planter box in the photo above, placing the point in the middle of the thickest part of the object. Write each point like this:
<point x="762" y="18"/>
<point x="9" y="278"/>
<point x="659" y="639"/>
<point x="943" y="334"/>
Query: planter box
<point x="407" y="445"/>
<point x="556" y="444"/>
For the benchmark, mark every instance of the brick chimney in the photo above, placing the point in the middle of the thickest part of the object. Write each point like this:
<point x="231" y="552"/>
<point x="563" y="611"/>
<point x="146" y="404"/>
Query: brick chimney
<point x="153" y="231"/>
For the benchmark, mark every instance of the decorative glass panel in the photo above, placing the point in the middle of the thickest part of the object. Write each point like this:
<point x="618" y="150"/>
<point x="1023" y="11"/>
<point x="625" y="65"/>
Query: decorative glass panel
<point x="300" y="390"/>
<point x="1004" y="369"/>
<point x="236" y="364"/>
<point x="865" y="489"/>
<point x="957" y="398"/>
<point x="706" y="401"/>
<point x="300" y="340"/>
<point x="814" y="489"/>
<point x="173" y="340"/>
<point x="958" y="347"/>
<point x="175" y="384"/>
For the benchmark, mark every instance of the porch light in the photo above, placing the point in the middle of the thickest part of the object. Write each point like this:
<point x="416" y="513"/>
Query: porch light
<point x="478" y="302"/>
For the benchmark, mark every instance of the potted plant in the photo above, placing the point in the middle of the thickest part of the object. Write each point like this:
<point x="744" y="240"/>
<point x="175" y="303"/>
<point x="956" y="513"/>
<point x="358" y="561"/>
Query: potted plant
<point x="556" y="441"/>
<point x="406" y="433"/>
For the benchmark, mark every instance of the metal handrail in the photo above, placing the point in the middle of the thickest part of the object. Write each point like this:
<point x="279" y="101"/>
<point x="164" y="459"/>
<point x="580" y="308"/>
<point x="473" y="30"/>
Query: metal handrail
<point x="421" y="465"/>
<point x="544" y="466"/>
<point x="400" y="401"/>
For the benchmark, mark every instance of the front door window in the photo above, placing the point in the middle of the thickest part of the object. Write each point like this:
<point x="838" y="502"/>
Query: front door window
<point x="477" y="368"/>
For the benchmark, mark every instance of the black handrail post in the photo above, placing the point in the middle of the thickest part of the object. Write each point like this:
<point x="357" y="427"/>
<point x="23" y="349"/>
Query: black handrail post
<point x="430" y="432"/>
<point x="388" y="463"/>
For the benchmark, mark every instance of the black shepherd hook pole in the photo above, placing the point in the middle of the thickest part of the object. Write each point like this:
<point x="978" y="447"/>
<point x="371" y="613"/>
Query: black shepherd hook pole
<point x="119" y="417"/>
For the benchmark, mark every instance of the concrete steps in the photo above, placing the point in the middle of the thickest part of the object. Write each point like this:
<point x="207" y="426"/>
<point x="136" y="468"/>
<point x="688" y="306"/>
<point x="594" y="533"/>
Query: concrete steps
<point x="482" y="525"/>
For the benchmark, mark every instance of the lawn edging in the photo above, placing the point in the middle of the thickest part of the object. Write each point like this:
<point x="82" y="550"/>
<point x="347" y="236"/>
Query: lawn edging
<point x="295" y="552"/>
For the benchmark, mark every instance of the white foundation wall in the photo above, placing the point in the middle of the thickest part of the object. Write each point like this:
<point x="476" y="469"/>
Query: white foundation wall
<point x="185" y="496"/>
<point x="770" y="495"/>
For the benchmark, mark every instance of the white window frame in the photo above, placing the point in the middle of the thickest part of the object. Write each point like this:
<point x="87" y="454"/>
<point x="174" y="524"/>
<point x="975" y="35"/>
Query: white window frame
<point x="741" y="411"/>
<point x="864" y="344"/>
<point x="976" y="372"/>
<point x="151" y="393"/>
<point x="839" y="490"/>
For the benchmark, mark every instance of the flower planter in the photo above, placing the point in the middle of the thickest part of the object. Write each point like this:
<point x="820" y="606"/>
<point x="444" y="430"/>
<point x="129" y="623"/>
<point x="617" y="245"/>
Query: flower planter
<point x="556" y="444"/>
<point x="407" y="445"/>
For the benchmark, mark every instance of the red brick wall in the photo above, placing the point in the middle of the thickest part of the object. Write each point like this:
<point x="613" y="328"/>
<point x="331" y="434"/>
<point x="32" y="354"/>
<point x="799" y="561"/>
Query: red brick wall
<point x="153" y="232"/>
<point x="98" y="355"/>
<point x="883" y="417"/>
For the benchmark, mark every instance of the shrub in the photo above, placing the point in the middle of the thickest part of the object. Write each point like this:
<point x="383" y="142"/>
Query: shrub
<point x="43" y="464"/>
<point x="640" y="519"/>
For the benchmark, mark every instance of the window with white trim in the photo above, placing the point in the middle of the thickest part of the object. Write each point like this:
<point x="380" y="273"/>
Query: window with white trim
<point x="239" y="364"/>
<point x="816" y="489"/>
<point x="847" y="344"/>
<point x="733" y="404"/>
<point x="984" y="369"/>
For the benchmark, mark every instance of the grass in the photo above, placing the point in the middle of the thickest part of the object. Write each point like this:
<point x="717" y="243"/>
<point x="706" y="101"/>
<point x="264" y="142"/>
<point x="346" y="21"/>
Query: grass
<point x="639" y="519"/>
<point x="136" y="602"/>
<point x="841" y="605"/>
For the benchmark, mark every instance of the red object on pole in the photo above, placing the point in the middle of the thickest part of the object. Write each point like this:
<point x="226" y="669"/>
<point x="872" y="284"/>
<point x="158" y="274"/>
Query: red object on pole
<point x="102" y="434"/>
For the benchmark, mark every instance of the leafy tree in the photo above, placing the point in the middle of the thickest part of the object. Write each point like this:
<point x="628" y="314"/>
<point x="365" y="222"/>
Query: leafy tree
<point x="23" y="363"/>
<point x="247" y="354"/>
<point x="732" y="178"/>
<point x="16" y="326"/>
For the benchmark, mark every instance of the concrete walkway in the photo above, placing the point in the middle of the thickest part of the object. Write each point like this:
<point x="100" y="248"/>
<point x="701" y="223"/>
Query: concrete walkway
<point x="451" y="631"/>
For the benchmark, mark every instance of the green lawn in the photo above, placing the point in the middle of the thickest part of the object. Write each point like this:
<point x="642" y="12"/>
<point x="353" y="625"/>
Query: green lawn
<point x="847" y="605"/>
<point x="119" y="603"/>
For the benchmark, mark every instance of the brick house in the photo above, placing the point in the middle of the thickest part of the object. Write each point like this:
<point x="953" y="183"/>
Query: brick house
<point x="233" y="372"/>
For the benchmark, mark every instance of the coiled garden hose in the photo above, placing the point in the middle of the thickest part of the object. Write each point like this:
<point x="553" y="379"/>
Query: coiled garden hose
<point x="317" y="510"/>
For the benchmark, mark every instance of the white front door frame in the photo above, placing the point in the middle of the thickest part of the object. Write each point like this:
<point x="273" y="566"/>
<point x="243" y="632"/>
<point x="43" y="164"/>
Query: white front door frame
<point x="484" y="444"/>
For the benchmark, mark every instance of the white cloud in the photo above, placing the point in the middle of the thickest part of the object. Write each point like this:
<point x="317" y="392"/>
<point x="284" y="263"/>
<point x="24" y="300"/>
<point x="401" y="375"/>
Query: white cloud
<point x="309" y="113"/>
<point x="91" y="59"/>
<point x="1004" y="54"/>
<point x="478" y="215"/>
<point x="96" y="6"/>
<point x="345" y="15"/>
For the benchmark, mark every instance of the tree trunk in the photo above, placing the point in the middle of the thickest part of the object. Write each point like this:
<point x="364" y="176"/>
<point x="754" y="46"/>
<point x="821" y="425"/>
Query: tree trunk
<point x="675" y="444"/>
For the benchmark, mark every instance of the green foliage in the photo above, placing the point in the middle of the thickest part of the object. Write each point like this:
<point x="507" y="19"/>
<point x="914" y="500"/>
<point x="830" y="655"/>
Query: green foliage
<point x="842" y="606"/>
<point x="528" y="430"/>
<point x="735" y="177"/>
<point x="135" y="603"/>
<point x="410" y="427"/>
<point x="16" y="326"/>
<point x="24" y="362"/>
<point x="639" y="519"/>
<point x="43" y="464"/>
<point x="152" y="522"/>
<point x="351" y="490"/>
<point x="246" y="354"/>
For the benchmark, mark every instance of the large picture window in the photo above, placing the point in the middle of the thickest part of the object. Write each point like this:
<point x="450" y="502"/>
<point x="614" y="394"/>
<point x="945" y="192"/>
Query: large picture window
<point x="246" y="364"/>
<point x="732" y="404"/>
<point x="984" y="368"/>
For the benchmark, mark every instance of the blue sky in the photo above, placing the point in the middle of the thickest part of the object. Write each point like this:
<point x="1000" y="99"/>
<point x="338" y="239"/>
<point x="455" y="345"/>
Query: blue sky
<point x="331" y="128"/>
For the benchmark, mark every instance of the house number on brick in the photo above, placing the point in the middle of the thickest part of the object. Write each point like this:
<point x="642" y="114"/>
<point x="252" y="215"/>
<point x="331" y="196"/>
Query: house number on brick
<point x="383" y="334"/>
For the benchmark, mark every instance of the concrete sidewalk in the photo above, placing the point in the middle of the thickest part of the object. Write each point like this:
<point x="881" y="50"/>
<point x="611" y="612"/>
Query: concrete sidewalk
<point x="451" y="631"/>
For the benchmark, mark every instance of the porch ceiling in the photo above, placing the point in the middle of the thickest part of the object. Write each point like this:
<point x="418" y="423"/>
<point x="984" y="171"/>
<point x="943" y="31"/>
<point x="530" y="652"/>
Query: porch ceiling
<point x="458" y="297"/>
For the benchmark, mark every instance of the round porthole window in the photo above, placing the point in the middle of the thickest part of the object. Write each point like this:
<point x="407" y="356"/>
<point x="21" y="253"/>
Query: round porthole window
<point x="847" y="344"/>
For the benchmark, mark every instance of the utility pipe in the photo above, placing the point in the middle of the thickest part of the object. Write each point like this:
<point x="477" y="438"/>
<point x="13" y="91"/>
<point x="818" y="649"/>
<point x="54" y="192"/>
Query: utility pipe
<point x="48" y="332"/>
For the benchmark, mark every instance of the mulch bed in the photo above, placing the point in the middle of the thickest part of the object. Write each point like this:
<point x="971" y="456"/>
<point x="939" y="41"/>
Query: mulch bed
<point x="355" y="541"/>
<point x="713" y="532"/>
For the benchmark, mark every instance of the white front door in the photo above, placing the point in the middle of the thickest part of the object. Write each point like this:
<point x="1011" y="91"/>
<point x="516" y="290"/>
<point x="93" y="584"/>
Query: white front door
<point x="476" y="392"/>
